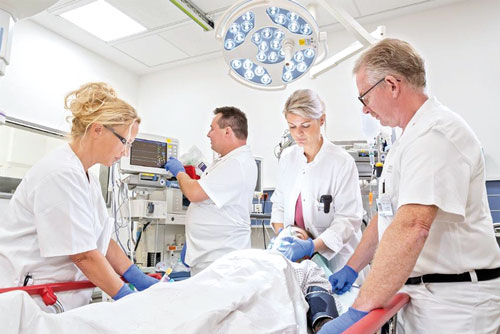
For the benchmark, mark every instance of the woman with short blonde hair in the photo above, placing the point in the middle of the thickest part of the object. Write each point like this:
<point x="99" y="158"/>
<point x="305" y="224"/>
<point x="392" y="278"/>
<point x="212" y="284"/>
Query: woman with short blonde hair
<point x="317" y="187"/>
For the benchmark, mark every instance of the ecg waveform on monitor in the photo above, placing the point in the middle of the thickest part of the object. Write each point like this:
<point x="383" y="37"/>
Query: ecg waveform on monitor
<point x="148" y="153"/>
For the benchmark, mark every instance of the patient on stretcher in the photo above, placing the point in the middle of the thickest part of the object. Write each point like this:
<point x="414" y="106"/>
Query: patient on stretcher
<point x="246" y="291"/>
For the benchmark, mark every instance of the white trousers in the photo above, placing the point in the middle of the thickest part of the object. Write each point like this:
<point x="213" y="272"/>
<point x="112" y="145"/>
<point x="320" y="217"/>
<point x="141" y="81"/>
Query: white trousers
<point x="469" y="308"/>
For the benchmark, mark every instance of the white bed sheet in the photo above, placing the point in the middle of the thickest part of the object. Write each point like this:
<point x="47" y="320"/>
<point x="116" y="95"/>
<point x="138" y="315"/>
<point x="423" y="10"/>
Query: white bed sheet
<point x="248" y="291"/>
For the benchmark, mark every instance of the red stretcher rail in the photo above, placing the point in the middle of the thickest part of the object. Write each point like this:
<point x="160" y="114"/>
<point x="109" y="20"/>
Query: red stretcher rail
<point x="47" y="291"/>
<point x="374" y="320"/>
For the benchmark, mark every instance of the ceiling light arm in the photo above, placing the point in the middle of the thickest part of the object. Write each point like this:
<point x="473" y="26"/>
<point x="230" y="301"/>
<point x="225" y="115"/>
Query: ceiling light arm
<point x="349" y="23"/>
<point x="195" y="14"/>
<point x="344" y="54"/>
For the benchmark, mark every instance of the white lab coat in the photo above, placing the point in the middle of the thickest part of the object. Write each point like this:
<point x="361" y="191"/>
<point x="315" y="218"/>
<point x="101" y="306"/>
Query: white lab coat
<point x="438" y="161"/>
<point x="221" y="223"/>
<point x="55" y="212"/>
<point x="332" y="172"/>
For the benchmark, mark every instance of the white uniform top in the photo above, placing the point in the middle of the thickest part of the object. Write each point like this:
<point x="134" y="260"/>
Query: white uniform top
<point x="55" y="212"/>
<point x="438" y="161"/>
<point x="332" y="172"/>
<point x="221" y="223"/>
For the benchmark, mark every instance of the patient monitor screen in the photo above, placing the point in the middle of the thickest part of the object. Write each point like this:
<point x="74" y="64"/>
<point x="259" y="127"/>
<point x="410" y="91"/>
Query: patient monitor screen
<point x="148" y="153"/>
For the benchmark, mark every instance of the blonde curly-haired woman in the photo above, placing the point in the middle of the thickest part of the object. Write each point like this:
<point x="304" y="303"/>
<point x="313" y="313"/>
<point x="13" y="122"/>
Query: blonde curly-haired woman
<point x="56" y="228"/>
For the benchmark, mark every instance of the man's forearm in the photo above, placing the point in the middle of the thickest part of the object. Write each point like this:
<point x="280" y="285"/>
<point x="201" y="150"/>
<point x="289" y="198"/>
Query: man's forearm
<point x="98" y="270"/>
<point x="191" y="188"/>
<point x="366" y="249"/>
<point x="396" y="255"/>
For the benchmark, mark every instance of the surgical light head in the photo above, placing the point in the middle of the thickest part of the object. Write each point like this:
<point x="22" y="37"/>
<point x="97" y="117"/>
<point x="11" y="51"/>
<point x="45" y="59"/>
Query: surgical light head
<point x="268" y="44"/>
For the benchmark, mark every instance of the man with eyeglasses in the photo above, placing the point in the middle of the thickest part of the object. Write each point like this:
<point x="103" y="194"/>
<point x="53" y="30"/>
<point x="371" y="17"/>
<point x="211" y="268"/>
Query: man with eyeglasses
<point x="433" y="236"/>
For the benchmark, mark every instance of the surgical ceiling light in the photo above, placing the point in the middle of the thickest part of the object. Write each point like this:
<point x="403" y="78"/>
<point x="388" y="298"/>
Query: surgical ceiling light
<point x="270" y="43"/>
<point x="195" y="14"/>
<point x="103" y="20"/>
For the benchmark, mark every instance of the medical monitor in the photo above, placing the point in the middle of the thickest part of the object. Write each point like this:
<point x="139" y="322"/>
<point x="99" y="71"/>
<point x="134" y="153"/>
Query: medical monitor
<point x="148" y="154"/>
<point x="258" y="186"/>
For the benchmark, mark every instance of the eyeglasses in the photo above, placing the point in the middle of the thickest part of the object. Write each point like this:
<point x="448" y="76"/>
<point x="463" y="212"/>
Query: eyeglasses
<point x="361" y="98"/>
<point x="123" y="140"/>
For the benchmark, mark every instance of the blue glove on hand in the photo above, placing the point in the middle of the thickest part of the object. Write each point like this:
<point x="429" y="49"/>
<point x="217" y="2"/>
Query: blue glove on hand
<point x="174" y="166"/>
<point x="295" y="249"/>
<point x="340" y="324"/>
<point x="124" y="290"/>
<point x="343" y="279"/>
<point x="183" y="255"/>
<point x="140" y="280"/>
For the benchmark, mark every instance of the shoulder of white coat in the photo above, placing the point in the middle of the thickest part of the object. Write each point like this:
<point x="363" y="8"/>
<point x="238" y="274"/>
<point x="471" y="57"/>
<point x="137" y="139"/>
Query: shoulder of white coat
<point x="244" y="159"/>
<point x="290" y="152"/>
<point x="452" y="127"/>
<point x="338" y="153"/>
<point x="56" y="163"/>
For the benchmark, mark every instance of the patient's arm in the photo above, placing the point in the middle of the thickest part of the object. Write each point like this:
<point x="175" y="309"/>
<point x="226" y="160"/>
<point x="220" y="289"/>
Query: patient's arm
<point x="98" y="270"/>
<point x="365" y="251"/>
<point x="322" y="307"/>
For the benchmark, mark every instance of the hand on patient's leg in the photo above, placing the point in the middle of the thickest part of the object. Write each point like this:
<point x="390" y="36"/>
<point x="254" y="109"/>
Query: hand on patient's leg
<point x="343" y="279"/>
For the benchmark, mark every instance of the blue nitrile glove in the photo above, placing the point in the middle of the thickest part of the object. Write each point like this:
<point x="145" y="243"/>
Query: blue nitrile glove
<point x="343" y="279"/>
<point x="140" y="280"/>
<point x="295" y="249"/>
<point x="340" y="324"/>
<point x="183" y="254"/>
<point x="174" y="166"/>
<point x="124" y="290"/>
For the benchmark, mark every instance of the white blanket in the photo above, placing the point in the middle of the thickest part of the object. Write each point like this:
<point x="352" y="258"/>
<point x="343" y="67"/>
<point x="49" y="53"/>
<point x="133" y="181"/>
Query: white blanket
<point x="248" y="291"/>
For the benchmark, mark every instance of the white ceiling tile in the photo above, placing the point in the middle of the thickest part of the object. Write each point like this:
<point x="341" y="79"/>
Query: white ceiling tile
<point x="151" y="50"/>
<point x="368" y="7"/>
<point x="209" y="6"/>
<point x="192" y="39"/>
<point x="150" y="13"/>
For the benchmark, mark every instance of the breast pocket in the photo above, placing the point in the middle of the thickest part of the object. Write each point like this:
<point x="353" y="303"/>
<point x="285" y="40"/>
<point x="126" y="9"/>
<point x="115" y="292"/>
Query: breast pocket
<point x="324" y="212"/>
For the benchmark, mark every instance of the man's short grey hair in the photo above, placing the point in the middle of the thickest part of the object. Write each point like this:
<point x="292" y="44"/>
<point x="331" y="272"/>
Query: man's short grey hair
<point x="392" y="57"/>
<point x="305" y="103"/>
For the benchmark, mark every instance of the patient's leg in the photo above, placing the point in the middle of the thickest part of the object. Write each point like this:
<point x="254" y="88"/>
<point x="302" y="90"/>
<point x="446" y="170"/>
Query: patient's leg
<point x="322" y="307"/>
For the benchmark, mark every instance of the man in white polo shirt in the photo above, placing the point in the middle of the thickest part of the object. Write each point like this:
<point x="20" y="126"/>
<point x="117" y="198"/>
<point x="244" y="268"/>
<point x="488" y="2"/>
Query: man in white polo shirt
<point x="218" y="218"/>
<point x="433" y="235"/>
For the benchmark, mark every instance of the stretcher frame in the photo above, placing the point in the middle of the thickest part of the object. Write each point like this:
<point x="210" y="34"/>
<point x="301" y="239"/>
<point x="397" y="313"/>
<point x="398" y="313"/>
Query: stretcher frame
<point x="47" y="291"/>
<point x="383" y="319"/>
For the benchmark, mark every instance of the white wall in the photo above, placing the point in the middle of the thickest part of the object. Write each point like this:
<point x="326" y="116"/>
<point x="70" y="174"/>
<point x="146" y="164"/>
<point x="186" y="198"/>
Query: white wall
<point x="45" y="66"/>
<point x="461" y="45"/>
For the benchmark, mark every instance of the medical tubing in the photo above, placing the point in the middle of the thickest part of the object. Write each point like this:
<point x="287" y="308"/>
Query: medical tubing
<point x="140" y="235"/>
<point x="264" y="233"/>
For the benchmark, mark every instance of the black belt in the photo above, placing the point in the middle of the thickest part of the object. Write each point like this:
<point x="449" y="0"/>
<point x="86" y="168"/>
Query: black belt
<point x="482" y="275"/>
